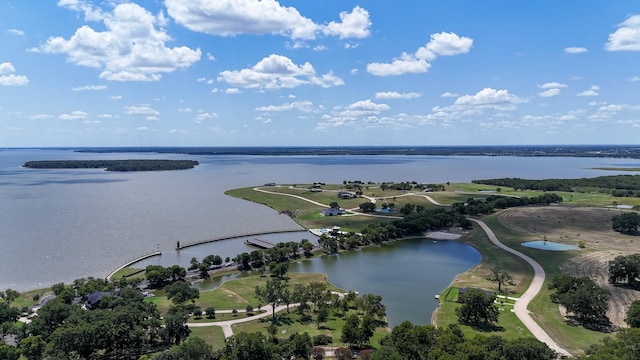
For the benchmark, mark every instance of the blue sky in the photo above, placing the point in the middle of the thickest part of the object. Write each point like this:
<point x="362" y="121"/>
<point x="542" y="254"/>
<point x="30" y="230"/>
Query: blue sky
<point x="321" y="73"/>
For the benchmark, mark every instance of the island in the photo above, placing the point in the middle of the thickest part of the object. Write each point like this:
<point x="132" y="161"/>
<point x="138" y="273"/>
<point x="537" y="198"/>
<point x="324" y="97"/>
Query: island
<point x="114" y="165"/>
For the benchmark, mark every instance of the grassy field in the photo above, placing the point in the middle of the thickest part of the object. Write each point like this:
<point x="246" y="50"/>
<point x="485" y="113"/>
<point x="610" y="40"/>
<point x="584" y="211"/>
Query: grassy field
<point x="212" y="335"/>
<point x="508" y="325"/>
<point x="292" y="323"/>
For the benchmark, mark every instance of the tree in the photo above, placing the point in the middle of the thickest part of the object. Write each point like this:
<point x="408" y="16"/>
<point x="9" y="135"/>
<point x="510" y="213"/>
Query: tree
<point x="299" y="346"/>
<point x="247" y="346"/>
<point x="175" y="328"/>
<point x="334" y="205"/>
<point x="625" y="269"/>
<point x="351" y="331"/>
<point x="9" y="295"/>
<point x="32" y="347"/>
<point x="633" y="315"/>
<point x="386" y="353"/>
<point x="271" y="293"/>
<point x="180" y="292"/>
<point x="626" y="223"/>
<point x="211" y="312"/>
<point x="279" y="269"/>
<point x="367" y="207"/>
<point x="501" y="277"/>
<point x="193" y="348"/>
<point x="477" y="308"/>
<point x="528" y="348"/>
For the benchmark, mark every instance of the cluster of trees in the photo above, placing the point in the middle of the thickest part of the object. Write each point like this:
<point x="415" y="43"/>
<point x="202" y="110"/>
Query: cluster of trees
<point x="277" y="257"/>
<point x="159" y="276"/>
<point x="410" y="185"/>
<point x="120" y="325"/>
<point x="583" y="298"/>
<point x="114" y="165"/>
<point x="625" y="270"/>
<point x="623" y="346"/>
<point x="416" y="342"/>
<point x="490" y="203"/>
<point x="626" y="223"/>
<point x="622" y="185"/>
<point x="208" y="262"/>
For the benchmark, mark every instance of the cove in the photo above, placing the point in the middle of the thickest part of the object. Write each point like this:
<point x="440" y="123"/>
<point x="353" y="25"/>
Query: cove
<point x="406" y="273"/>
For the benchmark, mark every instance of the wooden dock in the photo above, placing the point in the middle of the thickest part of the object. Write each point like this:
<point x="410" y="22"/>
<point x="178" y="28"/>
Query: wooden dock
<point x="263" y="244"/>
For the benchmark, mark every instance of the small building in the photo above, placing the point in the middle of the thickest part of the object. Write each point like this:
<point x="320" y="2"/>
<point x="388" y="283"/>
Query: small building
<point x="315" y="189"/>
<point x="333" y="212"/>
<point x="94" y="298"/>
<point x="346" y="195"/>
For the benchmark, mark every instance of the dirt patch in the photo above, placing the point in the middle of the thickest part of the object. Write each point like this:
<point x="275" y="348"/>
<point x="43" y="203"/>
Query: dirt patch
<point x="231" y="294"/>
<point x="569" y="225"/>
<point x="592" y="228"/>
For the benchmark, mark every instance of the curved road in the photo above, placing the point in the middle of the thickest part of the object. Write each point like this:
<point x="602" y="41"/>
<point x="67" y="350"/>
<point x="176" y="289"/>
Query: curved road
<point x="520" y="307"/>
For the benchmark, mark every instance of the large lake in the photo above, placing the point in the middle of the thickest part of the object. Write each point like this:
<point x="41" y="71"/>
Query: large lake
<point x="59" y="225"/>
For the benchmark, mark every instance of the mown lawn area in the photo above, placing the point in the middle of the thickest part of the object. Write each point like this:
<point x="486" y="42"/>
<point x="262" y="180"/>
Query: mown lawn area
<point x="293" y="323"/>
<point x="212" y="335"/>
<point x="508" y="325"/>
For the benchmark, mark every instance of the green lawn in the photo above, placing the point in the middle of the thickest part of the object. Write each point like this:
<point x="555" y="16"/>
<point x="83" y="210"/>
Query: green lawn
<point x="292" y="323"/>
<point x="508" y="325"/>
<point x="212" y="335"/>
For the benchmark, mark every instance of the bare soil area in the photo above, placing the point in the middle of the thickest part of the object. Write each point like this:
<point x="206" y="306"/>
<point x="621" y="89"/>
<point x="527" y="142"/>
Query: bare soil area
<point x="592" y="227"/>
<point x="570" y="225"/>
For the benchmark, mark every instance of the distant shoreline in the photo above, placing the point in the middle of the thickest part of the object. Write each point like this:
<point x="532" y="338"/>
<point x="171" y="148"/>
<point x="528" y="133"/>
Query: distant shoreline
<point x="597" y="151"/>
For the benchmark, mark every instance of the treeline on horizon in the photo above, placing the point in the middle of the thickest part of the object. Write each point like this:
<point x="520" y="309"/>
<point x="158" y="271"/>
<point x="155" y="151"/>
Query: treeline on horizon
<point x="608" y="151"/>
<point x="114" y="165"/>
<point x="616" y="185"/>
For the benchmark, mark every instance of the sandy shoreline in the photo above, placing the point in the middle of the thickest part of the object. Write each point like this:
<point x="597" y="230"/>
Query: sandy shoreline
<point x="442" y="235"/>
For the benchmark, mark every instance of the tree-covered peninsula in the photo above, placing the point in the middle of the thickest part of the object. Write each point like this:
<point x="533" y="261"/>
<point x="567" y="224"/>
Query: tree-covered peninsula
<point x="114" y="165"/>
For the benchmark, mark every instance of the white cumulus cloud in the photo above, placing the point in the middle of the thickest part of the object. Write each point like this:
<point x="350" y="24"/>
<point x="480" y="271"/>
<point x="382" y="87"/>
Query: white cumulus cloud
<point x="440" y="44"/>
<point x="142" y="110"/>
<point x="74" y="115"/>
<point x="8" y="76"/>
<point x="304" y="106"/>
<point x="89" y="88"/>
<point x="627" y="37"/>
<point x="258" y="17"/>
<point x="397" y="95"/>
<point x="575" y="50"/>
<point x="549" y="92"/>
<point x="352" y="25"/>
<point x="593" y="91"/>
<point x="277" y="71"/>
<point x="132" y="47"/>
<point x="205" y="116"/>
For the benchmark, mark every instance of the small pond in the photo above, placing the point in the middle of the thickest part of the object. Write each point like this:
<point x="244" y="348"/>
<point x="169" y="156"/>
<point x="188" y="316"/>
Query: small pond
<point x="548" y="245"/>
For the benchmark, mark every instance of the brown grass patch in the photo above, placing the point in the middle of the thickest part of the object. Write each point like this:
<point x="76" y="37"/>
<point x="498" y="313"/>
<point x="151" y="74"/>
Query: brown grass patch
<point x="569" y="225"/>
<point x="592" y="227"/>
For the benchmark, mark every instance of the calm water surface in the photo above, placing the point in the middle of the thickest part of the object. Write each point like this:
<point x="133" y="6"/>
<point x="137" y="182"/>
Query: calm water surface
<point x="59" y="225"/>
<point x="407" y="274"/>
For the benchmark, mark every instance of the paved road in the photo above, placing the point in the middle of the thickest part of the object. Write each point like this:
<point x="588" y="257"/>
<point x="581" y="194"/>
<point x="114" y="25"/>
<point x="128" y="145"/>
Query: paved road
<point x="520" y="307"/>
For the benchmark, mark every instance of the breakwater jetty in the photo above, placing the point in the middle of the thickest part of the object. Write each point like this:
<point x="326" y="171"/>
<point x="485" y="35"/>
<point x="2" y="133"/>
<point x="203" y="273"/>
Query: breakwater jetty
<point x="180" y="246"/>
<point x="131" y="262"/>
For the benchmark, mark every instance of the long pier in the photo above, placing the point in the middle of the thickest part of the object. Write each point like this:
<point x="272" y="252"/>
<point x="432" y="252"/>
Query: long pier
<point x="200" y="242"/>
<point x="263" y="244"/>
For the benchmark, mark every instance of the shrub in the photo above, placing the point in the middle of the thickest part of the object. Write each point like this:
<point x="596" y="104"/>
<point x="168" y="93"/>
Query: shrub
<point x="322" y="340"/>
